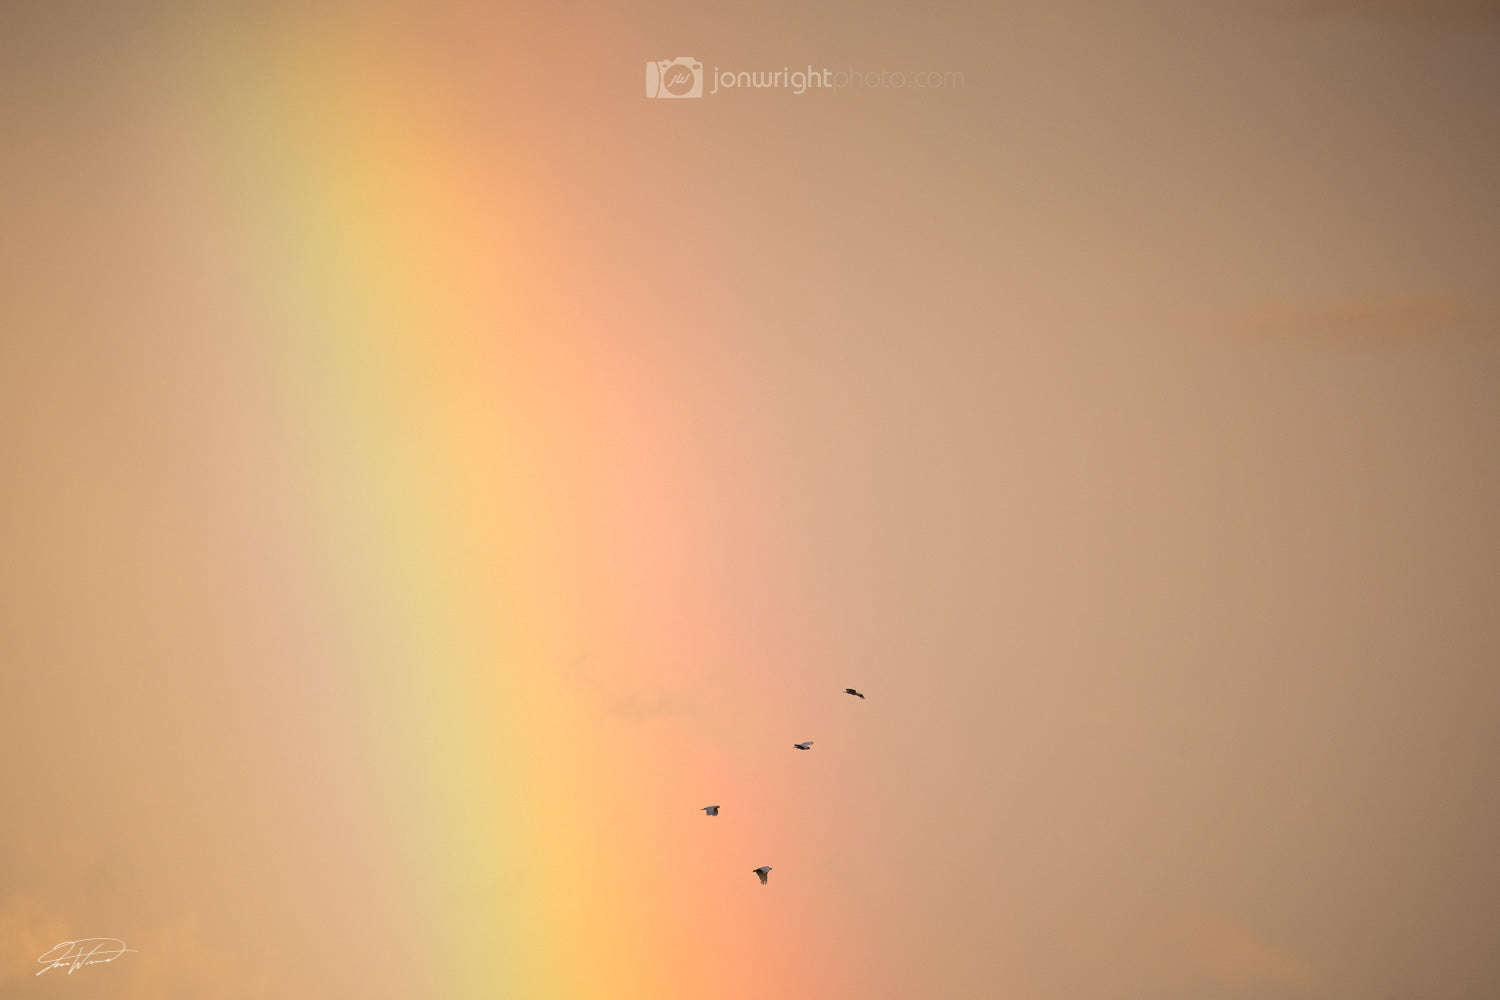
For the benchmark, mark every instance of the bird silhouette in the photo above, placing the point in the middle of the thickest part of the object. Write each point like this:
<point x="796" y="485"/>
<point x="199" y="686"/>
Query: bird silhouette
<point x="762" y="871"/>
<point x="804" y="746"/>
<point x="853" y="692"/>
<point x="711" y="810"/>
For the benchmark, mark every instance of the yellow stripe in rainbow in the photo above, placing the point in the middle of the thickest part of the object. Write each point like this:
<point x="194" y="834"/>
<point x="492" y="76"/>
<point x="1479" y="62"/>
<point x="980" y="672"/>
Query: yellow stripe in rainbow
<point x="384" y="273"/>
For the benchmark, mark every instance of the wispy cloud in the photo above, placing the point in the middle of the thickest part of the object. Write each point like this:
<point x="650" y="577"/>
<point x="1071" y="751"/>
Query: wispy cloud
<point x="631" y="694"/>
<point x="170" y="959"/>
<point x="1227" y="952"/>
<point x="1194" y="951"/>
<point x="1415" y="13"/>
<point x="1394" y="319"/>
<point x="29" y="928"/>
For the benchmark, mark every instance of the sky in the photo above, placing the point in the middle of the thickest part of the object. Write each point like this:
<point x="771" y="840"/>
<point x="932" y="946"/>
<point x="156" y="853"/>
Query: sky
<point x="433" y="470"/>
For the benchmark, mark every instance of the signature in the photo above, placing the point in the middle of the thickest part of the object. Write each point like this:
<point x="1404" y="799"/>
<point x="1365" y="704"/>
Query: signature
<point x="88" y="951"/>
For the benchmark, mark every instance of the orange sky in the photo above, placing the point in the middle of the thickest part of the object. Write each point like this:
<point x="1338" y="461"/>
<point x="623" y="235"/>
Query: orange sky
<point x="1125" y="421"/>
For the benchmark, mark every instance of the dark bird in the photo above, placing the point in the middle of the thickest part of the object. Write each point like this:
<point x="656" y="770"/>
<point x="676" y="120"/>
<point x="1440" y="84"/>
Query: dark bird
<point x="762" y="871"/>
<point x="803" y="746"/>
<point x="853" y="692"/>
<point x="711" y="810"/>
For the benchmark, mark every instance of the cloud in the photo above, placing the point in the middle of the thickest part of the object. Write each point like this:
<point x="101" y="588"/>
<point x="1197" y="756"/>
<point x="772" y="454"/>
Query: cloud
<point x="1222" y="951"/>
<point x="630" y="695"/>
<point x="1190" y="954"/>
<point x="171" y="959"/>
<point x="1431" y="12"/>
<point x="1387" y="320"/>
<point x="29" y="929"/>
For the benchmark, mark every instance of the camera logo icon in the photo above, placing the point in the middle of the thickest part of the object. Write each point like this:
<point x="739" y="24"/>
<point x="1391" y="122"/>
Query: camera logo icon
<point x="680" y="77"/>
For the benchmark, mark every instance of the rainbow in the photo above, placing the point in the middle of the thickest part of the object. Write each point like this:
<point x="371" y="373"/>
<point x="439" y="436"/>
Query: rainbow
<point x="492" y="503"/>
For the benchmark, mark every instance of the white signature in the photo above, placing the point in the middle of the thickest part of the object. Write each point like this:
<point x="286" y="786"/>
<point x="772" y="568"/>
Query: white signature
<point x="88" y="951"/>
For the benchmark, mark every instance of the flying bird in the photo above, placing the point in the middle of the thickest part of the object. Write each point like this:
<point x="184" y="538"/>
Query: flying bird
<point x="762" y="871"/>
<point x="711" y="810"/>
<point x="804" y="746"/>
<point x="853" y="692"/>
